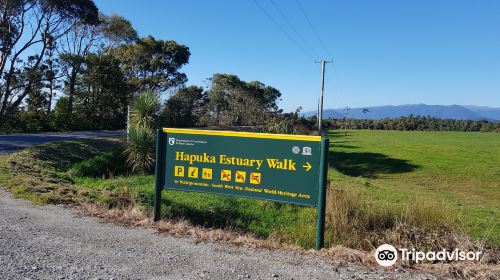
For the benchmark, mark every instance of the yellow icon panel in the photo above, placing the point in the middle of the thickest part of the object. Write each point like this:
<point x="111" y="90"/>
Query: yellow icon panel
<point x="225" y="175"/>
<point x="193" y="172"/>
<point x="255" y="178"/>
<point x="240" y="177"/>
<point x="206" y="173"/>
<point x="179" y="171"/>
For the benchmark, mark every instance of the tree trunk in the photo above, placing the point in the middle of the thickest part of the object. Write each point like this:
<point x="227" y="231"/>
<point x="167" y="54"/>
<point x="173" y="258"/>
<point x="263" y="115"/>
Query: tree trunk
<point x="72" y="85"/>
<point x="51" y="93"/>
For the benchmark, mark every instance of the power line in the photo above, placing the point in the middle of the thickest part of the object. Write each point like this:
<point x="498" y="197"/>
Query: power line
<point x="313" y="29"/>
<point x="293" y="28"/>
<point x="283" y="30"/>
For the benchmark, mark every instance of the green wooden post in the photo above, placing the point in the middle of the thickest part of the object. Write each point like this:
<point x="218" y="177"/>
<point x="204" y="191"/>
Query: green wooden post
<point x="323" y="172"/>
<point x="158" y="174"/>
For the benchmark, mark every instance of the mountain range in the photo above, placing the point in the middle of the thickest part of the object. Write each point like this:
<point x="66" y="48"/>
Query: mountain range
<point x="457" y="112"/>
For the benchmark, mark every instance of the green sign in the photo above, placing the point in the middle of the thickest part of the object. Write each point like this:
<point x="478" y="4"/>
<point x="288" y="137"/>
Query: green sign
<point x="276" y="167"/>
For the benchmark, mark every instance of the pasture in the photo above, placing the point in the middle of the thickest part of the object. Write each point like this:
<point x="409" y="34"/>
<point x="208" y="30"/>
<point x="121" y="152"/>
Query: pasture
<point x="457" y="172"/>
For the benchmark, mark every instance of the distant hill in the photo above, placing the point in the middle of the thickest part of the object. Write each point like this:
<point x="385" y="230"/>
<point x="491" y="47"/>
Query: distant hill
<point x="488" y="112"/>
<point x="457" y="112"/>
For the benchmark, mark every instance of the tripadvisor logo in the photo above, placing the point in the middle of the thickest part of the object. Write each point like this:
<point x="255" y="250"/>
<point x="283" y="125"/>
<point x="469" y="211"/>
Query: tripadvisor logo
<point x="387" y="255"/>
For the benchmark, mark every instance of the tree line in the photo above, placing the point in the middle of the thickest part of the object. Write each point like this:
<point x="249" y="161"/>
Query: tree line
<point x="414" y="123"/>
<point x="66" y="66"/>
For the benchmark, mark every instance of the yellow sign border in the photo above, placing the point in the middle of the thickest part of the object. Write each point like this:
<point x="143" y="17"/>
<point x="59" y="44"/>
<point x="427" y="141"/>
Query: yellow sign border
<point x="243" y="134"/>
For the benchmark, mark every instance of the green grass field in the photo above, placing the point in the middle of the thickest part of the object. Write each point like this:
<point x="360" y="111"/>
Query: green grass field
<point x="460" y="172"/>
<point x="386" y="186"/>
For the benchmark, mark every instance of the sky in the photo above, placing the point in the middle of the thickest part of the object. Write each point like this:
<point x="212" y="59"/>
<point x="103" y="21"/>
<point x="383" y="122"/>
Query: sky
<point x="384" y="52"/>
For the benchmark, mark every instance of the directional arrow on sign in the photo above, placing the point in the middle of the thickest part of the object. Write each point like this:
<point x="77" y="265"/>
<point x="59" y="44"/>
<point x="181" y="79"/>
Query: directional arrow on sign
<point x="307" y="166"/>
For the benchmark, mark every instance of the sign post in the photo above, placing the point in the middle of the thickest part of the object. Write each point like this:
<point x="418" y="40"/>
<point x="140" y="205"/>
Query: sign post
<point x="159" y="173"/>
<point x="275" y="167"/>
<point x="323" y="174"/>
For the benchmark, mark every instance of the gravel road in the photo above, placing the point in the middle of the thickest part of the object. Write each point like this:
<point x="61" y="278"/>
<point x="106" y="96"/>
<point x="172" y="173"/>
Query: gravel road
<point x="53" y="242"/>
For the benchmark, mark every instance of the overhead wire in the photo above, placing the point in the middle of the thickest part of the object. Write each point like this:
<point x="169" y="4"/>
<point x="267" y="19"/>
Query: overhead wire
<point x="293" y="28"/>
<point x="314" y="29"/>
<point x="307" y="53"/>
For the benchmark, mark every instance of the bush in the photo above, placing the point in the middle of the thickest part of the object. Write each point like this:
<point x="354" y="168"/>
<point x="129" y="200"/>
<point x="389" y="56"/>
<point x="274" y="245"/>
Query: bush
<point x="289" y="124"/>
<point x="106" y="165"/>
<point x="140" y="149"/>
<point x="36" y="121"/>
<point x="31" y="121"/>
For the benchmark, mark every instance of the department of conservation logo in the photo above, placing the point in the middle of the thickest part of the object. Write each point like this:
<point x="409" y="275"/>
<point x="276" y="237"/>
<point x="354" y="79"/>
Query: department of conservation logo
<point x="171" y="141"/>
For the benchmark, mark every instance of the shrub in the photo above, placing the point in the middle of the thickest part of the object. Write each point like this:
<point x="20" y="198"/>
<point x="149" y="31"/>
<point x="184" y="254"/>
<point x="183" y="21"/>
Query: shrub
<point x="145" y="110"/>
<point x="140" y="151"/>
<point x="289" y="124"/>
<point x="36" y="121"/>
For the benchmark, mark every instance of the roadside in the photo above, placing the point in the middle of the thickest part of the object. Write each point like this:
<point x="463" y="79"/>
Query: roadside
<point x="49" y="241"/>
<point x="15" y="142"/>
<point x="44" y="175"/>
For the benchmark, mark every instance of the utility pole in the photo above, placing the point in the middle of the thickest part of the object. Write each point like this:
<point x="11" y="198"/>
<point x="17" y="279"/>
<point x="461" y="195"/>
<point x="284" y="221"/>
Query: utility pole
<point x="320" y="105"/>
<point x="346" y="118"/>
<point x="317" y="115"/>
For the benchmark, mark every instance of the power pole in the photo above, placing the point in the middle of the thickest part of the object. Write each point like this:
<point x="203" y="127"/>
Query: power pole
<point x="320" y="105"/>
<point x="346" y="118"/>
<point x="317" y="115"/>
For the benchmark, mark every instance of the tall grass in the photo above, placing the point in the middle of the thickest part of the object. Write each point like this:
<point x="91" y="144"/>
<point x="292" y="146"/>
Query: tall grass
<point x="354" y="221"/>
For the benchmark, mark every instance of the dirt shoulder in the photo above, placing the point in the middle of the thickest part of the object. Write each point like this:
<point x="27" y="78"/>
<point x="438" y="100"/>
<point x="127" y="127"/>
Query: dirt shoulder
<point x="47" y="242"/>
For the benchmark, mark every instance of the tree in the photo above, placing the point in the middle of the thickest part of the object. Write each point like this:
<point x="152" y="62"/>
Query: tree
<point x="346" y="118"/>
<point x="27" y="28"/>
<point x="82" y="39"/>
<point x="365" y="111"/>
<point x="140" y="150"/>
<point x="61" y="116"/>
<point x="185" y="107"/>
<point x="145" y="110"/>
<point x="50" y="74"/>
<point x="152" y="64"/>
<point x="75" y="45"/>
<point x="36" y="99"/>
<point x="116" y="31"/>
<point x="235" y="102"/>
<point x="102" y="93"/>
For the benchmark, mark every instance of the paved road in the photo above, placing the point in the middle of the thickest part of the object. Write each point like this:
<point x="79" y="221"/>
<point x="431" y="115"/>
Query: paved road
<point x="52" y="242"/>
<point x="15" y="142"/>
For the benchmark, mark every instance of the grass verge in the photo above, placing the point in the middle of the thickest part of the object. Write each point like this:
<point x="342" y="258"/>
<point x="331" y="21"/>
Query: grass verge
<point x="40" y="173"/>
